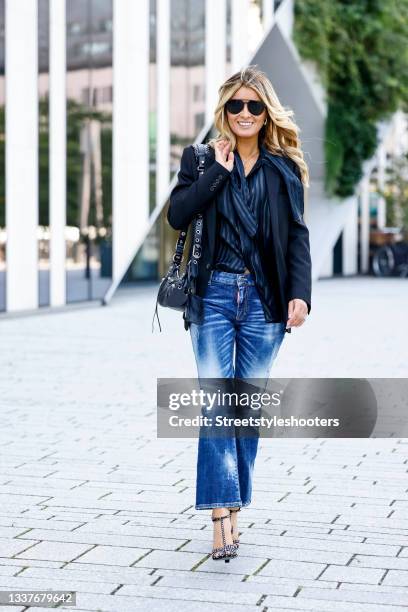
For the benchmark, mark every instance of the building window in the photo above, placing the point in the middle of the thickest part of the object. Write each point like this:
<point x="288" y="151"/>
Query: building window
<point x="197" y="93"/>
<point x="199" y="121"/>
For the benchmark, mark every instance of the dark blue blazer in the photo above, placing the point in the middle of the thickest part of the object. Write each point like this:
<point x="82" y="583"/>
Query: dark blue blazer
<point x="289" y="268"/>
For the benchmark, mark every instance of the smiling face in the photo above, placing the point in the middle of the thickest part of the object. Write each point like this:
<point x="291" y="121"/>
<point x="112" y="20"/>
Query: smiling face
<point x="244" y="124"/>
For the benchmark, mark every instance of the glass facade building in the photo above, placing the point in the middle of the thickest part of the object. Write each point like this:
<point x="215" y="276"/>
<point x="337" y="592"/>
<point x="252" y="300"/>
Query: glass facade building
<point x="115" y="91"/>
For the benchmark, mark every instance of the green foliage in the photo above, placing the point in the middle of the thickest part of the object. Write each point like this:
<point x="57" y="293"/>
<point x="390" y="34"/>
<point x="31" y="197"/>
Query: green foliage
<point x="360" y="48"/>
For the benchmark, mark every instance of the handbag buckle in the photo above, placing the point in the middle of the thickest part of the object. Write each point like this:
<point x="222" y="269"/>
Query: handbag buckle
<point x="177" y="259"/>
<point x="197" y="251"/>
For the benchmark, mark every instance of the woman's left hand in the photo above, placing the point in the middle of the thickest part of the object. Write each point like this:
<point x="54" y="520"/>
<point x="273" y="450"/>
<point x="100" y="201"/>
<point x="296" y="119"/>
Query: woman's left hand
<point x="297" y="312"/>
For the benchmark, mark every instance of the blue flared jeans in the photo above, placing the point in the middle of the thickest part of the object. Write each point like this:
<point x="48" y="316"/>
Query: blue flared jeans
<point x="235" y="342"/>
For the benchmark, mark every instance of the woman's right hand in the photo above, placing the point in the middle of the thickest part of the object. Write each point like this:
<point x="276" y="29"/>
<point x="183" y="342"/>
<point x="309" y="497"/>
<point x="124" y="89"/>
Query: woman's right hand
<point x="223" y="155"/>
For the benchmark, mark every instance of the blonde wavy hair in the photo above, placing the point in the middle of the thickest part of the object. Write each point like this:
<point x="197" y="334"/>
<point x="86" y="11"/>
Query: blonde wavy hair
<point x="280" y="135"/>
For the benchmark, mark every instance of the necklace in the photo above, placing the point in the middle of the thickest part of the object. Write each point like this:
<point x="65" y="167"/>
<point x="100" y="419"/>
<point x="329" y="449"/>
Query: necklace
<point x="247" y="160"/>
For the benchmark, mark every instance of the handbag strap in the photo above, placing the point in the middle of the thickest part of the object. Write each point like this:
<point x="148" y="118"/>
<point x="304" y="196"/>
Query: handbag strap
<point x="200" y="151"/>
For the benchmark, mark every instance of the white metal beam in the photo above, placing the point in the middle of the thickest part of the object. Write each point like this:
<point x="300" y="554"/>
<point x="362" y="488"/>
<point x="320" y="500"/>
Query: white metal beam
<point x="130" y="188"/>
<point x="267" y="13"/>
<point x="381" y="204"/>
<point x="163" y="100"/>
<point x="364" y="223"/>
<point x="239" y="34"/>
<point x="21" y="68"/>
<point x="57" y="151"/>
<point x="215" y="53"/>
<point x="350" y="239"/>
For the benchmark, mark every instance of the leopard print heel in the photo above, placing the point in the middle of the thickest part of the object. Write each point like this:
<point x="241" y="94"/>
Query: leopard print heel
<point x="226" y="551"/>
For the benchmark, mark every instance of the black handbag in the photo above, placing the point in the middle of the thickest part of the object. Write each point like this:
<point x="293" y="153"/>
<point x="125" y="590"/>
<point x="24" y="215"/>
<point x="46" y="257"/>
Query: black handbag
<point x="179" y="291"/>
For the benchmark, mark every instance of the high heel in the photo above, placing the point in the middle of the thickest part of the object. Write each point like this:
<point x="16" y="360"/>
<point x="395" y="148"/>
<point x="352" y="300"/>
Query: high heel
<point x="234" y="540"/>
<point x="226" y="551"/>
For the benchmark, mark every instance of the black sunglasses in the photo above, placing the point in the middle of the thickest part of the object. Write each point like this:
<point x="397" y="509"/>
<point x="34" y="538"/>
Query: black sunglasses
<point x="235" y="106"/>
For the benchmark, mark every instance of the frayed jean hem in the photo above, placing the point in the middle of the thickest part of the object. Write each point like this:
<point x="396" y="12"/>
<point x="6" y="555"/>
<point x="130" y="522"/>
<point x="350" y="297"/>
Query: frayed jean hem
<point x="222" y="505"/>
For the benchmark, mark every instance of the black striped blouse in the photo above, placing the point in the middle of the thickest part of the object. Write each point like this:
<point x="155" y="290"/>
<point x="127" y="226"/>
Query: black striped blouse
<point x="228" y="254"/>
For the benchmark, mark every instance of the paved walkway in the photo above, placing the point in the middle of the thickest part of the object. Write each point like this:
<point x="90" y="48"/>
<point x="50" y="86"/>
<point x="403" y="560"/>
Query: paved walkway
<point x="91" y="501"/>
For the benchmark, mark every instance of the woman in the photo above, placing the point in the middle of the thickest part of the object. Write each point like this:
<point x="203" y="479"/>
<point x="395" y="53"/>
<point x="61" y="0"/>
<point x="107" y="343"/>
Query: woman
<point x="254" y="276"/>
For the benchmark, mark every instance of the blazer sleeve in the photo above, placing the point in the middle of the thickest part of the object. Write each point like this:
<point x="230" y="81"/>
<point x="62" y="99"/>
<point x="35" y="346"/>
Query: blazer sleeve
<point x="191" y="196"/>
<point x="298" y="260"/>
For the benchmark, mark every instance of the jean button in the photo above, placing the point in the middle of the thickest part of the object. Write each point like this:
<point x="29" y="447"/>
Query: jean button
<point x="208" y="266"/>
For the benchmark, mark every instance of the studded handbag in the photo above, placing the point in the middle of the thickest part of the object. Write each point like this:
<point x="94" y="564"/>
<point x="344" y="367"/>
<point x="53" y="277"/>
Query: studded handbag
<point x="178" y="291"/>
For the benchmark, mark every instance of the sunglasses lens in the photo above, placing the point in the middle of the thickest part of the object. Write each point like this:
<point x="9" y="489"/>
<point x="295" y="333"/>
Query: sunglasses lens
<point x="255" y="107"/>
<point x="234" y="106"/>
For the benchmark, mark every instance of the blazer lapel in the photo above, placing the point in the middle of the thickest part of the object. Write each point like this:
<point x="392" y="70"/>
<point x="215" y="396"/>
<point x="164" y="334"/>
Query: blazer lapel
<point x="272" y="183"/>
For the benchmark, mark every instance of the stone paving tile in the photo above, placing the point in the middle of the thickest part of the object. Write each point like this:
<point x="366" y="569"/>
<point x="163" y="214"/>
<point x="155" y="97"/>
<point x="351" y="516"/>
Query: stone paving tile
<point x="373" y="530"/>
<point x="398" y="578"/>
<point x="293" y="569"/>
<point x="335" y="534"/>
<point x="215" y="575"/>
<point x="198" y="593"/>
<point x="8" y="570"/>
<point x="238" y="565"/>
<point x="11" y="532"/>
<point x="52" y="482"/>
<point x="310" y="507"/>
<point x="9" y="548"/>
<point x="34" y="514"/>
<point x="54" y="551"/>
<point x="350" y="586"/>
<point x="114" y="555"/>
<point x="104" y="504"/>
<point x="93" y="573"/>
<point x="366" y="522"/>
<point x="193" y="581"/>
<point x="21" y="525"/>
<point x="396" y="563"/>
<point x="293" y="582"/>
<point x="67" y="584"/>
<point x="90" y="537"/>
<point x="19" y="563"/>
<point x="81" y="516"/>
<point x="318" y="605"/>
<point x="177" y="534"/>
<point x="167" y="559"/>
<point x="353" y="574"/>
<point x="323" y="543"/>
<point x="353" y="596"/>
<point x="388" y="539"/>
